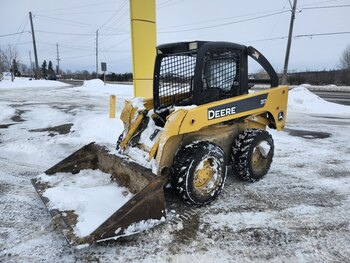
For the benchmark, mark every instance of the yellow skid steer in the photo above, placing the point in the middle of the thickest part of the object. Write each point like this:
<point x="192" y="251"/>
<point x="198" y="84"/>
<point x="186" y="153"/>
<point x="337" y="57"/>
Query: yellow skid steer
<point x="202" y="119"/>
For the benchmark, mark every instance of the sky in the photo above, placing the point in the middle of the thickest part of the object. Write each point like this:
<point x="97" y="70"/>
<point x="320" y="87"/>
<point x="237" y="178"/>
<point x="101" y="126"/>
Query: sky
<point x="262" y="24"/>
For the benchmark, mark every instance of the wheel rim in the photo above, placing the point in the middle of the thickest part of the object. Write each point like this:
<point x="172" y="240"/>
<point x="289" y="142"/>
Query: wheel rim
<point x="207" y="176"/>
<point x="203" y="175"/>
<point x="260" y="160"/>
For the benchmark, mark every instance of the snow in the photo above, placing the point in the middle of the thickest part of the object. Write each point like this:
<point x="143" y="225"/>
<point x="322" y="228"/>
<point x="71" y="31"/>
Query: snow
<point x="5" y="112"/>
<point x="138" y="103"/>
<point x="299" y="212"/>
<point x="145" y="137"/>
<point x="20" y="83"/>
<point x="141" y="157"/>
<point x="142" y="226"/>
<point x="95" y="197"/>
<point x="93" y="83"/>
<point x="264" y="148"/>
<point x="302" y="100"/>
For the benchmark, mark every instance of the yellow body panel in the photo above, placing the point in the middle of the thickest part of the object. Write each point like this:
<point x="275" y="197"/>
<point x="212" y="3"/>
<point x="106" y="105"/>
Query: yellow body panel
<point x="194" y="121"/>
<point x="196" y="118"/>
<point x="143" y="42"/>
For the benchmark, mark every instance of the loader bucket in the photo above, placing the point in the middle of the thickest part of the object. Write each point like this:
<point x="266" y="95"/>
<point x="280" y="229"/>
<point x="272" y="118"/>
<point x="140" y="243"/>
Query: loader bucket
<point x="145" y="207"/>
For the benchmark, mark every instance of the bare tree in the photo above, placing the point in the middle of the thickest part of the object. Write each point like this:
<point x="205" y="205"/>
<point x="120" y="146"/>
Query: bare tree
<point x="2" y="63"/>
<point x="7" y="56"/>
<point x="345" y="58"/>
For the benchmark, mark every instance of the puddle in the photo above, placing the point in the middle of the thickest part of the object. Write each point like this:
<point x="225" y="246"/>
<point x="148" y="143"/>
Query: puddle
<point x="53" y="131"/>
<point x="69" y="109"/>
<point x="18" y="116"/>
<point x="5" y="126"/>
<point x="308" y="134"/>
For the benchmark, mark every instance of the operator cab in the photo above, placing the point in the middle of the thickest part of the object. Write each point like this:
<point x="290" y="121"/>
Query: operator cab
<point x="200" y="72"/>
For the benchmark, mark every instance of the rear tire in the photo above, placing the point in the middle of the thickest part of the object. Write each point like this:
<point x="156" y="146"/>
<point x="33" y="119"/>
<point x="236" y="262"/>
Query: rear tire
<point x="199" y="172"/>
<point x="252" y="155"/>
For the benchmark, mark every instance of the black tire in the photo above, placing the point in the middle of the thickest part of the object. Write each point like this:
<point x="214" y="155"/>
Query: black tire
<point x="251" y="161"/>
<point x="199" y="172"/>
<point x="120" y="139"/>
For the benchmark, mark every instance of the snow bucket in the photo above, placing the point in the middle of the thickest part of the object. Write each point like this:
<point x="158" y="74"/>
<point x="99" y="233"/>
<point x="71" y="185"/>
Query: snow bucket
<point x="94" y="195"/>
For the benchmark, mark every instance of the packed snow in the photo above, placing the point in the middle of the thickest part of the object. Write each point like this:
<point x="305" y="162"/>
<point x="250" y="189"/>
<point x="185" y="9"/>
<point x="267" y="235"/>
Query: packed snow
<point x="297" y="213"/>
<point x="20" y="83"/>
<point x="95" y="197"/>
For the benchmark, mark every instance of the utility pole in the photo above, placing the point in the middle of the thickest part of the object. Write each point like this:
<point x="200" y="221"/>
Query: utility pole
<point x="37" y="72"/>
<point x="58" y="61"/>
<point x="97" y="53"/>
<point x="31" y="63"/>
<point x="286" y="60"/>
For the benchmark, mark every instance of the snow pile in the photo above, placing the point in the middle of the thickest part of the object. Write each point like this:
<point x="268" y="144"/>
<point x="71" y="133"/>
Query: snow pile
<point x="95" y="197"/>
<point x="93" y="83"/>
<point x="19" y="83"/>
<point x="96" y="127"/>
<point x="302" y="100"/>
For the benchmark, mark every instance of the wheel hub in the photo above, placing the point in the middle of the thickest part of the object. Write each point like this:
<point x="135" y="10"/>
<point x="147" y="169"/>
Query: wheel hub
<point x="203" y="175"/>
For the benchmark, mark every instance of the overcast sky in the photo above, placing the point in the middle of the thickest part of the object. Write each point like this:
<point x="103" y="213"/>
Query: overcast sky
<point x="72" y="24"/>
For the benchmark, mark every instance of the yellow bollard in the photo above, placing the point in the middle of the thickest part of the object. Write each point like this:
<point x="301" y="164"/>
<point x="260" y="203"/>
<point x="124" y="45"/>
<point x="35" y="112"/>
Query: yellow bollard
<point x="112" y="103"/>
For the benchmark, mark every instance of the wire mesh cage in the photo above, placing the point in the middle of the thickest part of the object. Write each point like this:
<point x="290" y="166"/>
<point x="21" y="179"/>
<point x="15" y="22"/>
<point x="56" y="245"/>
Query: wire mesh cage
<point x="221" y="70"/>
<point x="176" y="76"/>
<point x="176" y="79"/>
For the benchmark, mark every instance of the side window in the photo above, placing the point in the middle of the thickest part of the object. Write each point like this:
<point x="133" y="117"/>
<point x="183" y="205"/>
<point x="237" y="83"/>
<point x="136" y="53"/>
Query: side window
<point x="221" y="70"/>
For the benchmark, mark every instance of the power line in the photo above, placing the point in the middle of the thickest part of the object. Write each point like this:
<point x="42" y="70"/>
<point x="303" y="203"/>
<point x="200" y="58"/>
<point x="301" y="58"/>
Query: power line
<point x="81" y="56"/>
<point x="80" y="34"/>
<point x="323" y="7"/>
<point x="66" y="34"/>
<point x="322" y="2"/>
<point x="224" y="24"/>
<point x="75" y="7"/>
<point x="82" y="13"/>
<point x="323" y="34"/>
<point x="164" y="4"/>
<point x="114" y="45"/>
<point x="297" y="36"/>
<point x="64" y="46"/>
<point x="24" y="26"/>
<point x="66" y="21"/>
<point x="12" y="34"/>
<point x="114" y="14"/>
<point x="227" y="18"/>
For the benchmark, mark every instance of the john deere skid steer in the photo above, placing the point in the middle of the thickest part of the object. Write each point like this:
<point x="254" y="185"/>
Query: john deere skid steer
<point x="202" y="119"/>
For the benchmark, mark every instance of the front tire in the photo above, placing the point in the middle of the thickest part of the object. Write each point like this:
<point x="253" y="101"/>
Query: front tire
<point x="252" y="155"/>
<point x="199" y="172"/>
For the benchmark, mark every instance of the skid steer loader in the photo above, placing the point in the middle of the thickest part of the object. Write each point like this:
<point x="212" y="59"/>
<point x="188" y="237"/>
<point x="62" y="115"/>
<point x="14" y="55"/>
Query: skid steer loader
<point x="202" y="118"/>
